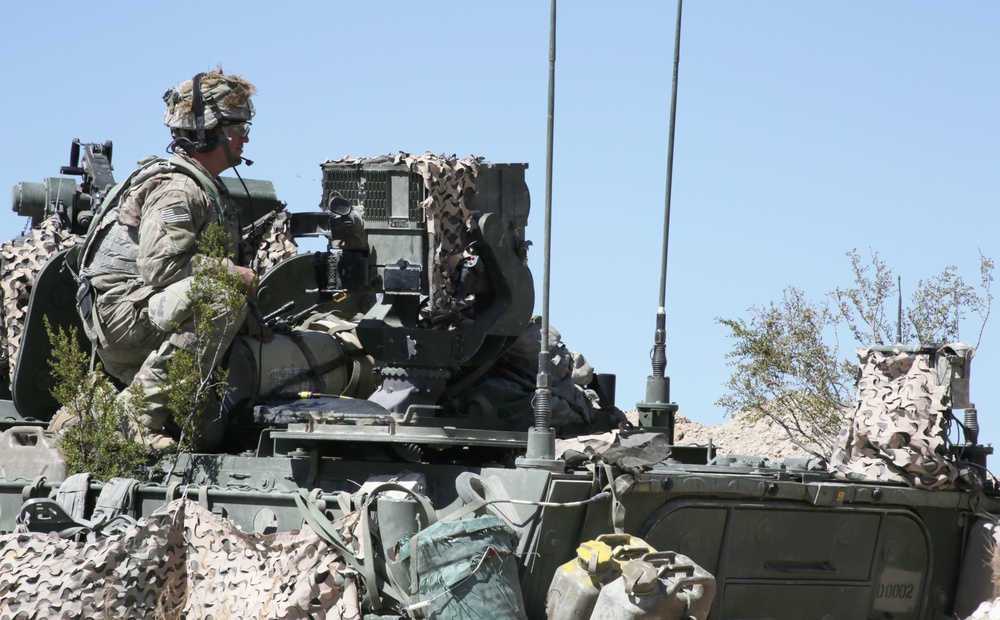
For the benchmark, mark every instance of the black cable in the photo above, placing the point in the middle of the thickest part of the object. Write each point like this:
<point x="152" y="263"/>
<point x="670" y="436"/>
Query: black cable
<point x="253" y="266"/>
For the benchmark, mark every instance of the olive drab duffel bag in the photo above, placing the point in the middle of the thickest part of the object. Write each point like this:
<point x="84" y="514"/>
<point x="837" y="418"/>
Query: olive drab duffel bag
<point x="464" y="568"/>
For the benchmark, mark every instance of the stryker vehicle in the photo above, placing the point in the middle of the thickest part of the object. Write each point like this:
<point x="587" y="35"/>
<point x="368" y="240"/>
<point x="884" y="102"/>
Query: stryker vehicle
<point x="397" y="397"/>
<point x="782" y="539"/>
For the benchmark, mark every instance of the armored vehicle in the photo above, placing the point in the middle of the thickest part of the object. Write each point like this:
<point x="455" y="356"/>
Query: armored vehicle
<point x="438" y="431"/>
<point x="394" y="453"/>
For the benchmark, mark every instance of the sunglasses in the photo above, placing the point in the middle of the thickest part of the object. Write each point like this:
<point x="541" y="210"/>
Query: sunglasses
<point x="242" y="127"/>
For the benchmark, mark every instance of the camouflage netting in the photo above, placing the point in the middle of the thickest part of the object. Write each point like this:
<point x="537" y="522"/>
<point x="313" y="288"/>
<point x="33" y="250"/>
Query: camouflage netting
<point x="180" y="562"/>
<point x="22" y="259"/>
<point x="450" y="183"/>
<point x="272" y="244"/>
<point x="897" y="431"/>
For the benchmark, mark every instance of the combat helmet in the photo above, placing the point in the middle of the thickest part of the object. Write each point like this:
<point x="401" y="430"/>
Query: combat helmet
<point x="203" y="103"/>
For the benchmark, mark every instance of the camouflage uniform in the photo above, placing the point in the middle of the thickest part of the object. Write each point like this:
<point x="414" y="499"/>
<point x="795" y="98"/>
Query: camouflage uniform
<point x="141" y="264"/>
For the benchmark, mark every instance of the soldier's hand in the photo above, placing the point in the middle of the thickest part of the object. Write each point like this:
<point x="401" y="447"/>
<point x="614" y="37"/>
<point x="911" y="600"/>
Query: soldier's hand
<point x="265" y="335"/>
<point x="249" y="279"/>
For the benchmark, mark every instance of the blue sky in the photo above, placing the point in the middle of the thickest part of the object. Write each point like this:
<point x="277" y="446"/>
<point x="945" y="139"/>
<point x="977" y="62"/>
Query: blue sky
<point x="804" y="130"/>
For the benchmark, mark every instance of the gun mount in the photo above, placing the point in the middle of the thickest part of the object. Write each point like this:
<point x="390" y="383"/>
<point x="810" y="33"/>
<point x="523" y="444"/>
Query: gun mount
<point x="373" y="214"/>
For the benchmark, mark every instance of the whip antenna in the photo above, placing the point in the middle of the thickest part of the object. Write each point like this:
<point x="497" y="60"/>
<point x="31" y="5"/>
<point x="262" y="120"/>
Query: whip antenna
<point x="657" y="412"/>
<point x="899" y="311"/>
<point x="541" y="438"/>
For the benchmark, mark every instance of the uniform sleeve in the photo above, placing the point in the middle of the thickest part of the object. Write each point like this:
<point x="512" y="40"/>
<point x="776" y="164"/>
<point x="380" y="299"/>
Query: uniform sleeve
<point x="172" y="215"/>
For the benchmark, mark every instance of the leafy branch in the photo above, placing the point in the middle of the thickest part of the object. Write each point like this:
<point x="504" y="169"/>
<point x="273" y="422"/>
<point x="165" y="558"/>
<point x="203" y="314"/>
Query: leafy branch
<point x="218" y="298"/>
<point x="785" y="370"/>
<point x="99" y="438"/>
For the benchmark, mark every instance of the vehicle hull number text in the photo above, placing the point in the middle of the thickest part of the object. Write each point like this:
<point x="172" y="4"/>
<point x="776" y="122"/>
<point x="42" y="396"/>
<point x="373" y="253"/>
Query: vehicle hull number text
<point x="897" y="590"/>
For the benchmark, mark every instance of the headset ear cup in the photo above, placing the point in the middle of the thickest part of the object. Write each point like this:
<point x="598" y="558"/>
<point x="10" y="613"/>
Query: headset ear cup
<point x="209" y="142"/>
<point x="190" y="140"/>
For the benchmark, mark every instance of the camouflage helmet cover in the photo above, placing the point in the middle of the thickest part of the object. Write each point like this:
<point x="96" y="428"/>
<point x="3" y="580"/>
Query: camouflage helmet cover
<point x="224" y="96"/>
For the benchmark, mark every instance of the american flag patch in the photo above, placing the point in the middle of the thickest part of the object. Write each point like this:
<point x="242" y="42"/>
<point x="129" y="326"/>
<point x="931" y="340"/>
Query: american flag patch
<point x="174" y="214"/>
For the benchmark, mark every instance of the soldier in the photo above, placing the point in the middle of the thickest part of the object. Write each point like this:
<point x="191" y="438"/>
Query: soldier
<point x="140" y="258"/>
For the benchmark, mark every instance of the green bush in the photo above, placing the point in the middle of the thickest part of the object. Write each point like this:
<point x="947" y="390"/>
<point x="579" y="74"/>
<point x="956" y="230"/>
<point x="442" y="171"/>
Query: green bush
<point x="218" y="298"/>
<point x="100" y="441"/>
<point x="789" y="367"/>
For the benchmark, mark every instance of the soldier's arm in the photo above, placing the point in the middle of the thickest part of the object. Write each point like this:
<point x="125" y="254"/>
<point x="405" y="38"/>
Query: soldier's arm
<point x="172" y="215"/>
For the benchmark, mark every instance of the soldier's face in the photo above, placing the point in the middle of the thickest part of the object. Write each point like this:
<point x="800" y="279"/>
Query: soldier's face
<point x="237" y="135"/>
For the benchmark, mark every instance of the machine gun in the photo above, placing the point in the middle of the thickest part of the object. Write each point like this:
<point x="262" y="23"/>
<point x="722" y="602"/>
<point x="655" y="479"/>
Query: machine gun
<point x="74" y="204"/>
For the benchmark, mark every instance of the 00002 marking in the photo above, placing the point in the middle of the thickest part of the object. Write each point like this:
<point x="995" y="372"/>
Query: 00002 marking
<point x="895" y="590"/>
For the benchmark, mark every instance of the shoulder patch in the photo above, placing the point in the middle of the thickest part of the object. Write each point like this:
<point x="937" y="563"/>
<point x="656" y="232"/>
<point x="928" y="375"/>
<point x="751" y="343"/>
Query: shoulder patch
<point x="175" y="214"/>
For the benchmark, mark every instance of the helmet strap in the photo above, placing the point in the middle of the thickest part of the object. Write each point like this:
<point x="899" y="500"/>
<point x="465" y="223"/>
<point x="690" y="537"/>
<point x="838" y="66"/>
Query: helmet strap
<point x="204" y="141"/>
<point x="198" y="108"/>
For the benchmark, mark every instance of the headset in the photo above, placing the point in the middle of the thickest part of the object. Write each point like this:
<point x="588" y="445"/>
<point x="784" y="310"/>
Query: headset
<point x="206" y="141"/>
